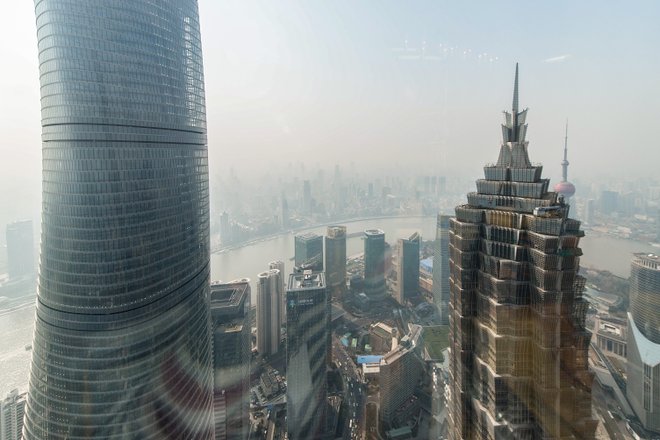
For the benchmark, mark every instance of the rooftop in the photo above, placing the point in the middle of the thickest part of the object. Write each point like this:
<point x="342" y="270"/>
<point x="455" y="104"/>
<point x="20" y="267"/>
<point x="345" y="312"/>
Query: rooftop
<point x="306" y="280"/>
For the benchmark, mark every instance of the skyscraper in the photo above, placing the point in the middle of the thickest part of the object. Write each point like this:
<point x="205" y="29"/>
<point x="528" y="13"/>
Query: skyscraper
<point x="441" y="268"/>
<point x="374" y="263"/>
<point x="335" y="260"/>
<point x="232" y="349"/>
<point x="643" y="387"/>
<point x="268" y="312"/>
<point x="12" y="410"/>
<point x="518" y="342"/>
<point x="309" y="251"/>
<point x="122" y="341"/>
<point x="279" y="265"/>
<point x="408" y="269"/>
<point x="20" y="250"/>
<point x="308" y="325"/>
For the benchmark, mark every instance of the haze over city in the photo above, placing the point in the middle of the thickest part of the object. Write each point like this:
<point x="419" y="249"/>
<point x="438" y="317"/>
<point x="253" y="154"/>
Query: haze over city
<point x="415" y="84"/>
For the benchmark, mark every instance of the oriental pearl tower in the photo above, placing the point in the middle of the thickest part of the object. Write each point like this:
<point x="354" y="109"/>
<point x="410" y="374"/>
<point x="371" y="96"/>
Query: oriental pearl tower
<point x="565" y="188"/>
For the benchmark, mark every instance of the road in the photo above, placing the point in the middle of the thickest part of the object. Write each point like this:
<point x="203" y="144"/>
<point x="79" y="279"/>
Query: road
<point x="354" y="392"/>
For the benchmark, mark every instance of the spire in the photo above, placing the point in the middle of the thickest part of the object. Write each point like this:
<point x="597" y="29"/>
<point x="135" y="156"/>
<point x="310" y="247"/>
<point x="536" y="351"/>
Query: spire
<point x="564" y="163"/>
<point x="515" y="94"/>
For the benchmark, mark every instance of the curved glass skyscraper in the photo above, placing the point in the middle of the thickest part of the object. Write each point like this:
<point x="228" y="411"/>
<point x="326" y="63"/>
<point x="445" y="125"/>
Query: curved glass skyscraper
<point x="122" y="339"/>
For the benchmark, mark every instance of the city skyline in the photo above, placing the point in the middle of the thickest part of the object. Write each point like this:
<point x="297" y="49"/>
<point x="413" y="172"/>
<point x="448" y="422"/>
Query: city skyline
<point x="571" y="55"/>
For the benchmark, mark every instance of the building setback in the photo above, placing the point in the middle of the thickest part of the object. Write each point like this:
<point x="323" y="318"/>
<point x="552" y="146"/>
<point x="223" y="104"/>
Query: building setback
<point x="122" y="340"/>
<point x="268" y="312"/>
<point x="408" y="269"/>
<point x="12" y="410"/>
<point x="643" y="387"/>
<point x="441" y="268"/>
<point x="232" y="349"/>
<point x="518" y="342"/>
<point x="308" y="325"/>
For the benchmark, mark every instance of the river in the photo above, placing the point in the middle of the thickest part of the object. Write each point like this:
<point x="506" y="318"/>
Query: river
<point x="600" y="251"/>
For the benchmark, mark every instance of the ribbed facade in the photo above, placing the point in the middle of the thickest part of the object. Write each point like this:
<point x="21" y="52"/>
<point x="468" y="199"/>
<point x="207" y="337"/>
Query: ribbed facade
<point x="335" y="260"/>
<point x="643" y="345"/>
<point x="408" y="268"/>
<point x="518" y="361"/>
<point x="307" y="329"/>
<point x="122" y="343"/>
<point x="374" y="263"/>
<point x="441" y="268"/>
<point x="268" y="312"/>
<point x="232" y="350"/>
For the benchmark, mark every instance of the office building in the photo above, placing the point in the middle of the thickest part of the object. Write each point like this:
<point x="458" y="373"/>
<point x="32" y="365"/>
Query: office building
<point x="643" y="387"/>
<point x="589" y="212"/>
<point x="122" y="341"/>
<point x="335" y="260"/>
<point x="20" y="250"/>
<point x="268" y="312"/>
<point x="441" y="268"/>
<point x="374" y="264"/>
<point x="232" y="350"/>
<point x="308" y="325"/>
<point x="309" y="252"/>
<point x="279" y="265"/>
<point x="307" y="197"/>
<point x="518" y="342"/>
<point x="12" y="410"/>
<point x="400" y="371"/>
<point x="408" y="269"/>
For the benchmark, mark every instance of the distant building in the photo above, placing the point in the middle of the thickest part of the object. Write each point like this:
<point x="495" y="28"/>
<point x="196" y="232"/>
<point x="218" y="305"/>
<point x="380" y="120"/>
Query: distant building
<point x="12" y="409"/>
<point x="400" y="371"/>
<point x="441" y="268"/>
<point x="335" y="260"/>
<point x="565" y="188"/>
<point x="609" y="202"/>
<point x="308" y="325"/>
<point x="20" y="250"/>
<point x="285" y="213"/>
<point x="232" y="349"/>
<point x="309" y="252"/>
<point x="589" y="212"/>
<point x="268" y="312"/>
<point x="279" y="265"/>
<point x="374" y="263"/>
<point x="307" y="197"/>
<point x="408" y="269"/>
<point x="643" y="387"/>
<point x="226" y="236"/>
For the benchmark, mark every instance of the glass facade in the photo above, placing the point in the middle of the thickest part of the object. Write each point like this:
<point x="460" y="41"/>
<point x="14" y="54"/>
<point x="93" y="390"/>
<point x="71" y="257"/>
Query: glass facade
<point x="122" y="339"/>
<point x="308" y="325"/>
<point x="374" y="263"/>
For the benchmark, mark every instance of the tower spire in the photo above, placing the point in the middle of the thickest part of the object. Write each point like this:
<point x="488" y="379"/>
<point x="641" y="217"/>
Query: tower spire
<point x="564" y="163"/>
<point x="515" y="94"/>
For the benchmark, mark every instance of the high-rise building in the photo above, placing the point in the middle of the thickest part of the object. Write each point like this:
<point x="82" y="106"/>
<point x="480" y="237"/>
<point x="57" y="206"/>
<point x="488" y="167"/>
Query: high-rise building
<point x="518" y="342"/>
<point x="232" y="349"/>
<point x="309" y="252"/>
<point x="268" y="312"/>
<point x="400" y="371"/>
<point x="441" y="268"/>
<point x="308" y="325"/>
<point x="279" y="265"/>
<point x="12" y="410"/>
<point x="122" y="341"/>
<point x="20" y="250"/>
<point x="307" y="197"/>
<point x="643" y="387"/>
<point x="225" y="229"/>
<point x="589" y="212"/>
<point x="335" y="260"/>
<point x="374" y="263"/>
<point x="285" y="213"/>
<point x="408" y="269"/>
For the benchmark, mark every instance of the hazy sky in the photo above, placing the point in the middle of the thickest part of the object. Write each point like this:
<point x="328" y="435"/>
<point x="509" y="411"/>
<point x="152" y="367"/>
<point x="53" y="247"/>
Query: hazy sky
<point x="381" y="82"/>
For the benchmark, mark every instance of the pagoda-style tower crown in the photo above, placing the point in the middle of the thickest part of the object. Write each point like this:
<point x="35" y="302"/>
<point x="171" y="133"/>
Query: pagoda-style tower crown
<point x="514" y="147"/>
